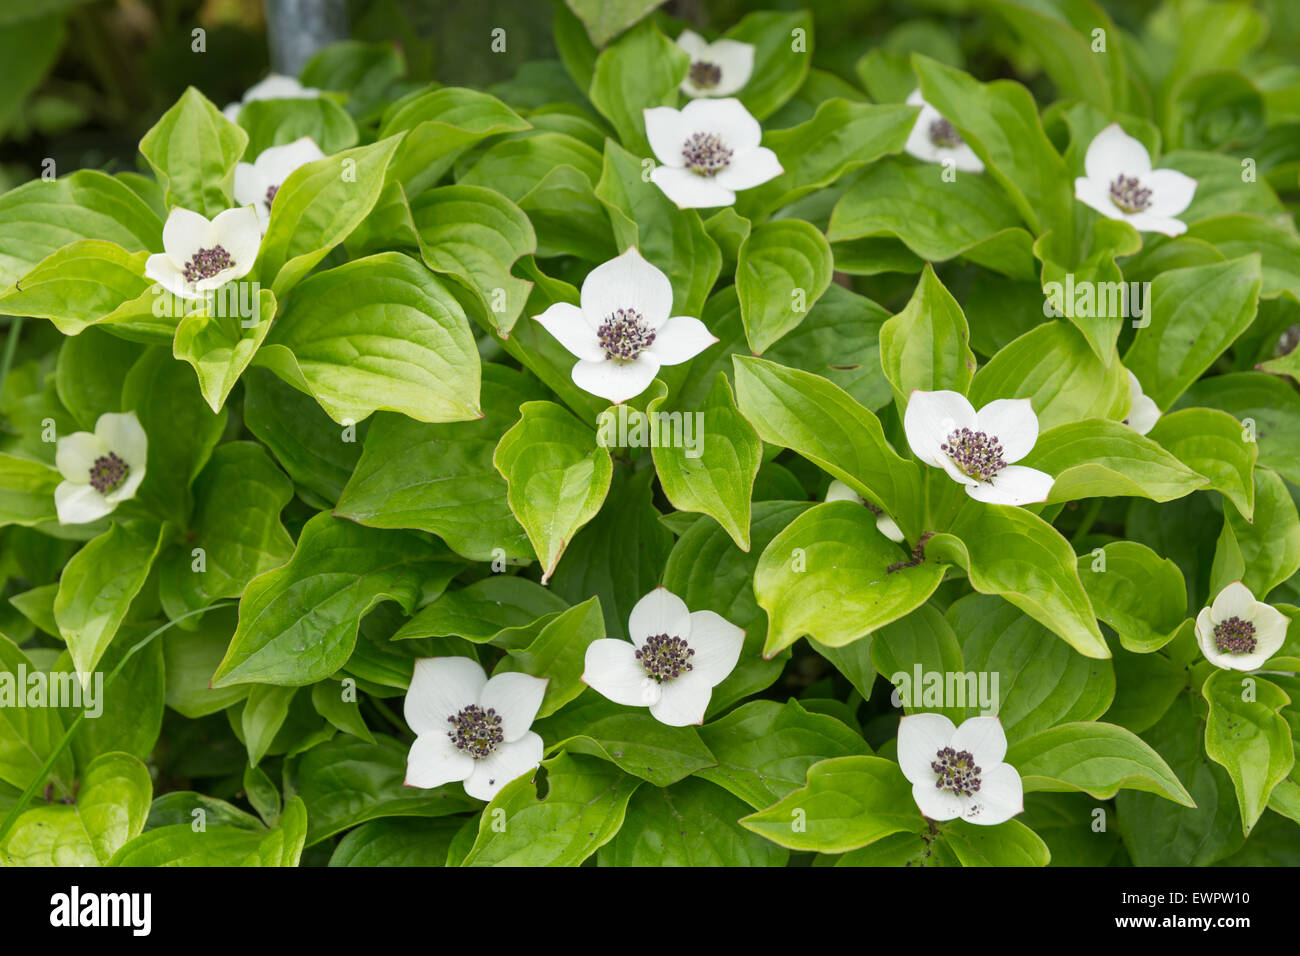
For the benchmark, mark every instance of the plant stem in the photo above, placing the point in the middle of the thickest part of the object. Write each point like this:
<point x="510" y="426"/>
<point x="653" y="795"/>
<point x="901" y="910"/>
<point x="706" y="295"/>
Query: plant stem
<point x="11" y="347"/>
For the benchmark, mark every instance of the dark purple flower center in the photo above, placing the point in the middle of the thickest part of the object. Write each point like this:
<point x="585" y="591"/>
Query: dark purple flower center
<point x="624" y="335"/>
<point x="1128" y="193"/>
<point x="206" y="263"/>
<point x="705" y="75"/>
<point x="270" y="195"/>
<point x="476" y="731"/>
<point x="977" y="454"/>
<point x="1234" y="636"/>
<point x="108" y="472"/>
<point x="944" y="135"/>
<point x="957" y="772"/>
<point x="705" y="154"/>
<point x="665" y="657"/>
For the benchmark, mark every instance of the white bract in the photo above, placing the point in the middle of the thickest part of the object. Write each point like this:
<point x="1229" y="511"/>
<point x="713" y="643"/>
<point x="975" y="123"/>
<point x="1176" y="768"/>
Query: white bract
<point x="839" y="491"/>
<point x="276" y="86"/>
<point x="977" y="448"/>
<point x="622" y="333"/>
<point x="1237" y="632"/>
<point x="469" y="728"/>
<point x="959" y="771"/>
<point x="672" y="663"/>
<point x="934" y="140"/>
<point x="256" y="183"/>
<point x="1143" y="412"/>
<point x="719" y="68"/>
<point x="100" y="469"/>
<point x="201" y="255"/>
<point x="1122" y="185"/>
<point x="709" y="150"/>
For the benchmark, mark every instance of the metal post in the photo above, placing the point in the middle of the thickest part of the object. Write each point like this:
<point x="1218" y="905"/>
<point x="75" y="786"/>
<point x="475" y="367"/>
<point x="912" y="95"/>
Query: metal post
<point x="297" y="29"/>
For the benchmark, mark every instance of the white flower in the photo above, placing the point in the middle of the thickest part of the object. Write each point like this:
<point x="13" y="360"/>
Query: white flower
<point x="719" y="68"/>
<point x="100" y="469"/>
<point x="256" y="183"/>
<point x="1143" y="412"/>
<point x="1237" y="632"/>
<point x="958" y="771"/>
<point x="276" y="86"/>
<point x="977" y="449"/>
<point x="200" y="255"/>
<point x="673" y="662"/>
<point x="709" y="150"/>
<point x="839" y="491"/>
<point x="934" y="140"/>
<point x="1122" y="185"/>
<point x="470" y="728"/>
<point x="622" y="334"/>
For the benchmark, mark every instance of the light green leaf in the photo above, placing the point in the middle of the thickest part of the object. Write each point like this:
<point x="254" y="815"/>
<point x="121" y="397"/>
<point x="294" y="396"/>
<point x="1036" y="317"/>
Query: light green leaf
<point x="194" y="149"/>
<point x="559" y="654"/>
<point x="1212" y="443"/>
<point x="782" y="270"/>
<point x="927" y="345"/>
<point x="1138" y="593"/>
<point x="642" y="70"/>
<point x="221" y="346"/>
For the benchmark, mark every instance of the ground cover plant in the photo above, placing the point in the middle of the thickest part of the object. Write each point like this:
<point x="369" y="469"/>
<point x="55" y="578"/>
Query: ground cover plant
<point x="741" y="436"/>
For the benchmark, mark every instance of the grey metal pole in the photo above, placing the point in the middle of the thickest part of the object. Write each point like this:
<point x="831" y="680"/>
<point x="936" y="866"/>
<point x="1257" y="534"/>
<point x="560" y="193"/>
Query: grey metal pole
<point x="297" y="29"/>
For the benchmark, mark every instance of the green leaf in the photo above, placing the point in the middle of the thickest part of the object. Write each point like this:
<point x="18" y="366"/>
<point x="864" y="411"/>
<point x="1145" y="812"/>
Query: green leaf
<point x="180" y="845"/>
<point x="1268" y="409"/>
<point x="1195" y="314"/>
<point x="606" y="19"/>
<point x="1212" y="443"/>
<point x="98" y="585"/>
<point x="481" y="611"/>
<point x="1053" y="366"/>
<point x="999" y="121"/>
<point x="827" y="576"/>
<point x="475" y="235"/>
<point x="315" y="209"/>
<point x="129" y="719"/>
<point x="764" y="749"/>
<point x="1265" y="551"/>
<point x="191" y="658"/>
<point x="221" y="346"/>
<point x="41" y="217"/>
<point x="26" y="491"/>
<point x="718" y="480"/>
<point x="443" y="123"/>
<point x="632" y="740"/>
<point x="1100" y="458"/>
<point x="584" y="807"/>
<point x="1246" y="733"/>
<point x="919" y="644"/>
<point x="380" y="333"/>
<point x="557" y="477"/>
<point x="841" y="137"/>
<point x="1016" y="554"/>
<point x="692" y="823"/>
<point x="848" y="802"/>
<point x="89" y="374"/>
<point x="559" y="654"/>
<point x="30" y="734"/>
<point x="111" y="807"/>
<point x="346" y="781"/>
<point x="899" y="199"/>
<point x="1064" y="38"/>
<point x="927" y="345"/>
<point x="779" y="68"/>
<point x="642" y="70"/>
<point x="1007" y="844"/>
<point x="1138" y="593"/>
<point x="671" y="239"/>
<point x="782" y="270"/>
<point x="1099" y="759"/>
<point x="78" y="285"/>
<point x="397" y="842"/>
<point x="1040" y="681"/>
<point x="1241" y="235"/>
<point x="263" y="716"/>
<point x="298" y="623"/>
<point x="193" y="149"/>
<point x="277" y="122"/>
<point x="822" y="423"/>
<point x="439" y="477"/>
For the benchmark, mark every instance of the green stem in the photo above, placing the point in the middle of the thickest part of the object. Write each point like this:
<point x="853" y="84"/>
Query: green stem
<point x="11" y="347"/>
<point x="44" y="772"/>
<point x="1089" y="516"/>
